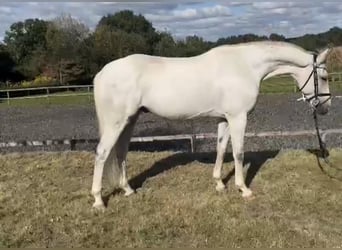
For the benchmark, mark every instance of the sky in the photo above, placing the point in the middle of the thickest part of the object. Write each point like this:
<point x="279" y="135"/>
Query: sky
<point x="209" y="19"/>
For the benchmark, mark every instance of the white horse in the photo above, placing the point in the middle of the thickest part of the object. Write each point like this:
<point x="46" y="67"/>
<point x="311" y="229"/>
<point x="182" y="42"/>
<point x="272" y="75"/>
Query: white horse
<point x="223" y="82"/>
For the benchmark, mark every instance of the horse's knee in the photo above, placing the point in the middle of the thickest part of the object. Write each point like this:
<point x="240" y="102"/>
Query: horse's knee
<point x="220" y="148"/>
<point x="239" y="157"/>
<point x="100" y="153"/>
<point x="95" y="191"/>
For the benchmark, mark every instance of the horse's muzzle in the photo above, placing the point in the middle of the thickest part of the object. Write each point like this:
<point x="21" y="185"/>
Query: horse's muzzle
<point x="322" y="109"/>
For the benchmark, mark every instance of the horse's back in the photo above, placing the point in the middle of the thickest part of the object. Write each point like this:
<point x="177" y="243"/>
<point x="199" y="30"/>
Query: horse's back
<point x="175" y="87"/>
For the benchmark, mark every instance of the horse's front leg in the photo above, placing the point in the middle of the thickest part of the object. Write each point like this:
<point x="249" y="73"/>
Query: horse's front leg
<point x="222" y="141"/>
<point x="237" y="124"/>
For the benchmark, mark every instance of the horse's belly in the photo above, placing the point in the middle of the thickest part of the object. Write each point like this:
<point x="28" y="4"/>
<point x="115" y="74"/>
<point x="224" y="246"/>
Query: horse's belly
<point x="173" y="105"/>
<point x="174" y="114"/>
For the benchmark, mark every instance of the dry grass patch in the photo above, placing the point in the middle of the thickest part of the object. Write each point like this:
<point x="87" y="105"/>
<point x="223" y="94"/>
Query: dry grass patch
<point x="45" y="201"/>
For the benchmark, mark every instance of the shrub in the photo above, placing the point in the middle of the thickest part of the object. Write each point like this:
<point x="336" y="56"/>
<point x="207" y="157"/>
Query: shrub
<point x="41" y="81"/>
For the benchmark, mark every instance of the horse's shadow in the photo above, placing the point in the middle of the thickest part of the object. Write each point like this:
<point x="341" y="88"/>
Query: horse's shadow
<point x="254" y="159"/>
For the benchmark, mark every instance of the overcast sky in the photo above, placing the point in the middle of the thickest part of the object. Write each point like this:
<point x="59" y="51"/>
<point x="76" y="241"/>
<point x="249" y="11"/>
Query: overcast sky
<point x="210" y="19"/>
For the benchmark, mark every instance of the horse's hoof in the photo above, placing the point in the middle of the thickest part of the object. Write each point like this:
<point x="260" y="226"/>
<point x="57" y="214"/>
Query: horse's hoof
<point x="98" y="208"/>
<point x="220" y="187"/>
<point x="128" y="192"/>
<point x="249" y="198"/>
<point x="248" y="195"/>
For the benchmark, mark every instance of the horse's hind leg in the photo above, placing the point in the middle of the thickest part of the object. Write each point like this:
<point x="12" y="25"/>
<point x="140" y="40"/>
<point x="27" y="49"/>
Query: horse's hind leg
<point x="108" y="139"/>
<point x="237" y="126"/>
<point x="222" y="141"/>
<point x="121" y="152"/>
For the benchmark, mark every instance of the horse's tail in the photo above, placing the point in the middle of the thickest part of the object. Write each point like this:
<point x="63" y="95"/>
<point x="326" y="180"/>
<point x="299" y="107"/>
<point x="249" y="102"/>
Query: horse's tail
<point x="111" y="170"/>
<point x="97" y="98"/>
<point x="111" y="167"/>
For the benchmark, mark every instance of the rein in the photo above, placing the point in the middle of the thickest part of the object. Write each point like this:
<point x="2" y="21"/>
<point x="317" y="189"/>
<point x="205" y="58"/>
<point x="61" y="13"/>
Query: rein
<point x="324" y="153"/>
<point x="315" y="102"/>
<point x="322" y="145"/>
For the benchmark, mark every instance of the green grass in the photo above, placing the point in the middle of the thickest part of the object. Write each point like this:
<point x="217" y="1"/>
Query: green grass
<point x="45" y="201"/>
<point x="286" y="84"/>
<point x="278" y="85"/>
<point x="336" y="88"/>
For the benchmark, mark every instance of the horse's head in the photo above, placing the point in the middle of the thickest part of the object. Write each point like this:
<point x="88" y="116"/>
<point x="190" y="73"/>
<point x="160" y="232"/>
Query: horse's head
<point x="313" y="83"/>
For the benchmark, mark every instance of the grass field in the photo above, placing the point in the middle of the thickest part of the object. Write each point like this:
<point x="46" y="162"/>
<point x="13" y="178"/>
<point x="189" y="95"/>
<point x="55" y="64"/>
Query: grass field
<point x="45" y="201"/>
<point x="278" y="85"/>
<point x="286" y="84"/>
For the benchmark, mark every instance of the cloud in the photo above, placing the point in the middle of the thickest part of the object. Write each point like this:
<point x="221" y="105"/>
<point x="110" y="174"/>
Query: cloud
<point x="209" y="20"/>
<point x="189" y="14"/>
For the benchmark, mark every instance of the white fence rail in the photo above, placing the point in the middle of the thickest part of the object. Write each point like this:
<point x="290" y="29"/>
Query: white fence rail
<point x="191" y="137"/>
<point x="86" y="90"/>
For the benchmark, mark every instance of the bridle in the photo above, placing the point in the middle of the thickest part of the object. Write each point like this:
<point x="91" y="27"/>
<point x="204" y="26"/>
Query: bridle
<point x="314" y="99"/>
<point x="315" y="102"/>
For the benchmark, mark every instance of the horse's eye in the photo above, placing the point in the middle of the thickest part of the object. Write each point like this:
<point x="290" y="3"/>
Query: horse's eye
<point x="324" y="78"/>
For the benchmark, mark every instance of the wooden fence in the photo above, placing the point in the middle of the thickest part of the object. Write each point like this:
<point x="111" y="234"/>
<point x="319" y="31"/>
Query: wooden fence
<point x="86" y="90"/>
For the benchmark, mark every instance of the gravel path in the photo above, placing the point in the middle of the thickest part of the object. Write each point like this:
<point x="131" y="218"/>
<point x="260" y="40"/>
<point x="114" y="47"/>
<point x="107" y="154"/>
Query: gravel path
<point x="272" y="113"/>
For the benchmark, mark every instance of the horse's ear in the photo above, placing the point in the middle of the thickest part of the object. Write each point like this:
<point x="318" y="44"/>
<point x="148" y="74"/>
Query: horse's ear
<point x="323" y="55"/>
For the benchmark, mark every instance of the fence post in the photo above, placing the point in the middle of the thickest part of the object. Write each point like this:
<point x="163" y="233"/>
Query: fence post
<point x="192" y="143"/>
<point x="47" y="94"/>
<point x="8" y="98"/>
<point x="89" y="99"/>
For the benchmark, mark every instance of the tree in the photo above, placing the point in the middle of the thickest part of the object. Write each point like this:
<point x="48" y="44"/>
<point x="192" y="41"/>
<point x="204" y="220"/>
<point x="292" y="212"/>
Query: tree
<point x="112" y="44"/>
<point x="166" y="46"/>
<point x="276" y="37"/>
<point x="334" y="36"/>
<point x="88" y="57"/>
<point x="7" y="66"/>
<point x="192" y="46"/>
<point x="240" y="39"/>
<point x="127" y="21"/>
<point x="26" y="44"/>
<point x="24" y="38"/>
<point x="317" y="41"/>
<point x="130" y="23"/>
<point x="65" y="40"/>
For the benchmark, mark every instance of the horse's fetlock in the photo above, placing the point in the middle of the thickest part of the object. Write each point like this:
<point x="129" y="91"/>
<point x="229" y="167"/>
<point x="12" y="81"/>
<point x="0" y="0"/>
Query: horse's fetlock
<point x="217" y="175"/>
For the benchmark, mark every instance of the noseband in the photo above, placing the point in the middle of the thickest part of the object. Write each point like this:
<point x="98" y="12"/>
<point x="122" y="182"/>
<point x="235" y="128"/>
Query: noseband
<point x="314" y="100"/>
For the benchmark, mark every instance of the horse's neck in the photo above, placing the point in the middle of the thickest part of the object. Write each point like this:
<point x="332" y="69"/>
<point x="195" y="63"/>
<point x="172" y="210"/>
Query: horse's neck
<point x="282" y="70"/>
<point x="282" y="59"/>
<point x="288" y="54"/>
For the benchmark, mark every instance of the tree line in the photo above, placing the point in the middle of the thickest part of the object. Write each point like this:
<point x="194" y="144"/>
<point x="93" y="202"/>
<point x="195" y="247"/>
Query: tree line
<point x="65" y="51"/>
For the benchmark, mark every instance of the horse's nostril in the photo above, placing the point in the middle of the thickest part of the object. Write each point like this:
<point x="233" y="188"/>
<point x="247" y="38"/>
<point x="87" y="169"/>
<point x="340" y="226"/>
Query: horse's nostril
<point x="322" y="110"/>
